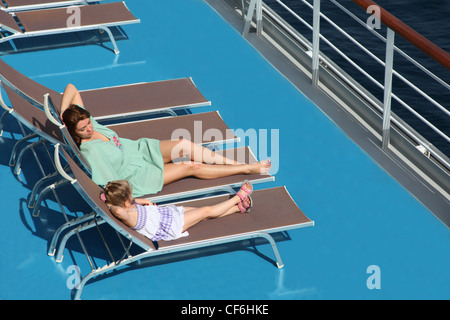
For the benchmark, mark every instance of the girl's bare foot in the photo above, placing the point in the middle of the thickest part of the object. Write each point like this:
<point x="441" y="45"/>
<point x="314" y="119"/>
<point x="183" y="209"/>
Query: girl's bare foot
<point x="240" y="207"/>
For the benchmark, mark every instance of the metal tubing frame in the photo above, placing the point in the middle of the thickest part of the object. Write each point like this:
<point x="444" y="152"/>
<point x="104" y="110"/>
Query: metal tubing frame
<point x="316" y="41"/>
<point x="401" y="52"/>
<point x="148" y="251"/>
<point x="369" y="53"/>
<point x="111" y="37"/>
<point x="76" y="231"/>
<point x="42" y="194"/>
<point x="48" y="5"/>
<point x="104" y="27"/>
<point x="2" y="120"/>
<point x="388" y="88"/>
<point x="415" y="38"/>
<point x="255" y="5"/>
<point x="18" y="164"/>
<point x="178" y="248"/>
<point x="12" y="158"/>
<point x="419" y="140"/>
<point x="70" y="224"/>
<point x="37" y="186"/>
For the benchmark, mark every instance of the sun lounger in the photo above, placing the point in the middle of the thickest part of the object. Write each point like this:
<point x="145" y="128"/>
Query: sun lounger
<point x="182" y="189"/>
<point x="143" y="98"/>
<point x="23" y="5"/>
<point x="187" y="186"/>
<point x="32" y="118"/>
<point x="194" y="127"/>
<point x="56" y="21"/>
<point x="274" y="211"/>
<point x="41" y="129"/>
<point x="118" y="102"/>
<point x="164" y="129"/>
<point x="161" y="129"/>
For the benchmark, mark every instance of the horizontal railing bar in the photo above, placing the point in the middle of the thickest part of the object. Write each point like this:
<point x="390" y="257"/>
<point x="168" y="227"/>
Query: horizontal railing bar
<point x="334" y="47"/>
<point x="294" y="14"/>
<point x="355" y="65"/>
<point x="370" y="54"/>
<point x="409" y="34"/>
<point x="398" y="50"/>
<point x="418" y="140"/>
<point x="382" y="87"/>
<point x="423" y="94"/>
<point x="287" y="29"/>
<point x="348" y="36"/>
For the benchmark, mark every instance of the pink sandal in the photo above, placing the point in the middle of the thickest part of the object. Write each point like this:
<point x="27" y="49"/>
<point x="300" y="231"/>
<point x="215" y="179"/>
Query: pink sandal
<point x="243" y="205"/>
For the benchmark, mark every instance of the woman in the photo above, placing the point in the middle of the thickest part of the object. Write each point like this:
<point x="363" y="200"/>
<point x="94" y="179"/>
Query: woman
<point x="145" y="163"/>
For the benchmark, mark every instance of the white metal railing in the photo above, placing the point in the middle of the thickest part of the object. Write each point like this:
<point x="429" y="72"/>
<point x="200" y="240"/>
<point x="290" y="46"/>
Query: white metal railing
<point x="256" y="5"/>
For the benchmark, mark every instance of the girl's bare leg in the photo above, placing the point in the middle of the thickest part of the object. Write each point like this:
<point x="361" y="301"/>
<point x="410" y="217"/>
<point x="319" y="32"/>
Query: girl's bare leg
<point x="193" y="216"/>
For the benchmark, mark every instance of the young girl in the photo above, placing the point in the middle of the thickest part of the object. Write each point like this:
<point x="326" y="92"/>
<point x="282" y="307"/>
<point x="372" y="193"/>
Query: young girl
<point x="167" y="222"/>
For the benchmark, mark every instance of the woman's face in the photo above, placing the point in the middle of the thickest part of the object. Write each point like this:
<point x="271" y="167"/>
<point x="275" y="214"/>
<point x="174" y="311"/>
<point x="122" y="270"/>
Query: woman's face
<point x="84" y="129"/>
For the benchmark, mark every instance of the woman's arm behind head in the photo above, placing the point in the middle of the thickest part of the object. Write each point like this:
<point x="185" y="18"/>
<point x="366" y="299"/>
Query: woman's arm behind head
<point x="70" y="96"/>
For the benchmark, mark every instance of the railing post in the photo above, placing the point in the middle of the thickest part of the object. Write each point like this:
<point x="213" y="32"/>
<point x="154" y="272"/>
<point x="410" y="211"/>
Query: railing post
<point x="316" y="40"/>
<point x="388" y="88"/>
<point x="255" y="5"/>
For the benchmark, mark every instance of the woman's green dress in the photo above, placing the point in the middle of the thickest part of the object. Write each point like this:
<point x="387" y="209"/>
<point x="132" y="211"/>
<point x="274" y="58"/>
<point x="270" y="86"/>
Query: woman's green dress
<point x="140" y="162"/>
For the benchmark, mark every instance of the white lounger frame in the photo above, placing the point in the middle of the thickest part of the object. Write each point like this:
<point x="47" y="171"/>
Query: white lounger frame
<point x="48" y="5"/>
<point x="104" y="27"/>
<point x="150" y="251"/>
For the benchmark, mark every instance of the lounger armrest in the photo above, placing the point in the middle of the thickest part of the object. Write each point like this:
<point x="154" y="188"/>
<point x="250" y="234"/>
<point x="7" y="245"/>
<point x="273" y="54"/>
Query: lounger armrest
<point x="3" y="104"/>
<point x="49" y="114"/>
<point x="59" y="166"/>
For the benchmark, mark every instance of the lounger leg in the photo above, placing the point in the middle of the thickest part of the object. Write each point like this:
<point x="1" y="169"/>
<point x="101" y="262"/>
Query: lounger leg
<point x="37" y="205"/>
<point x="12" y="159"/>
<point x="111" y="37"/>
<point x="18" y="167"/>
<point x="36" y="187"/>
<point x="62" y="246"/>
<point x="110" y="267"/>
<point x="2" y="121"/>
<point x="79" y="288"/>
<point x="272" y="242"/>
<point x="52" y="248"/>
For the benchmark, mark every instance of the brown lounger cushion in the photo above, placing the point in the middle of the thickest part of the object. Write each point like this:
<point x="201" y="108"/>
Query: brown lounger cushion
<point x="33" y="117"/>
<point x="273" y="210"/>
<point x="142" y="97"/>
<point x="194" y="126"/>
<point x="119" y="100"/>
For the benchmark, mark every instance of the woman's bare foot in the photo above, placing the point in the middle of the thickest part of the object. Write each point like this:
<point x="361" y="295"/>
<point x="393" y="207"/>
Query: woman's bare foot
<point x="262" y="167"/>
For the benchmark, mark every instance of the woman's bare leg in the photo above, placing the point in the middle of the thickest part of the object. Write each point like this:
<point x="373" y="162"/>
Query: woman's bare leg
<point x="176" y="171"/>
<point x="174" y="149"/>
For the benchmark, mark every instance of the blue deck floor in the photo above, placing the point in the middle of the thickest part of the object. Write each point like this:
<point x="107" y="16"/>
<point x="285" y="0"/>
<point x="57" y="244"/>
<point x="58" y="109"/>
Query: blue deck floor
<point x="363" y="217"/>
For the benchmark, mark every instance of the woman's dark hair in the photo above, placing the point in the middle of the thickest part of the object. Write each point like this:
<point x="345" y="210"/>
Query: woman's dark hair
<point x="71" y="116"/>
